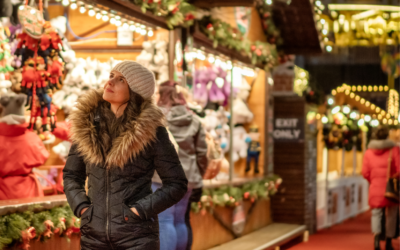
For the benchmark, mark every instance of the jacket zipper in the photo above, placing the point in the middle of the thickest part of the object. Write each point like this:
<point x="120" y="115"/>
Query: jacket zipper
<point x="108" y="229"/>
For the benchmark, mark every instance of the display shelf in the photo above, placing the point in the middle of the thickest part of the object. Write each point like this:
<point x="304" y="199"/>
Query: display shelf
<point x="22" y="205"/>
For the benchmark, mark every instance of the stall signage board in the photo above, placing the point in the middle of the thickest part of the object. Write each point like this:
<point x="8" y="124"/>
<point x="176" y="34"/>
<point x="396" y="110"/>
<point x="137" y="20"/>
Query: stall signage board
<point x="288" y="129"/>
<point x="124" y="37"/>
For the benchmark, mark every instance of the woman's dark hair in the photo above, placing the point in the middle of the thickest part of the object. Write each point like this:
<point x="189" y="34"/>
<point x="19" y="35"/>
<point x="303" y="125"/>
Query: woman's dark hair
<point x="381" y="133"/>
<point x="169" y="96"/>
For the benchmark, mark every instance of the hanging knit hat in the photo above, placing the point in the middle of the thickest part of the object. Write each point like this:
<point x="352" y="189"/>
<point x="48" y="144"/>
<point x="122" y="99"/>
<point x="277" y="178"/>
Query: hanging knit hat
<point x="140" y="79"/>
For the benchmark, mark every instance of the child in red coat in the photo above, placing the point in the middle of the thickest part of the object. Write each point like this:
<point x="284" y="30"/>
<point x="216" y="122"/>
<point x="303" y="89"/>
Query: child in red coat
<point x="375" y="166"/>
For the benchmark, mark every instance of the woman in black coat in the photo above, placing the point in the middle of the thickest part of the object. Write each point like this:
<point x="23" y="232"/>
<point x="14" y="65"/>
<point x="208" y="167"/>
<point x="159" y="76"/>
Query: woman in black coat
<point x="119" y="140"/>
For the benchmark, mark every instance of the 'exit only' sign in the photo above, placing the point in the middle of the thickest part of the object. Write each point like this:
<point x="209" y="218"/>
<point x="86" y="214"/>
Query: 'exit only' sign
<point x="288" y="129"/>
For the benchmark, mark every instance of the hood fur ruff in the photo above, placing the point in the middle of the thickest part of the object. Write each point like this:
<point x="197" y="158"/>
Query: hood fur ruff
<point x="381" y="144"/>
<point x="140" y="133"/>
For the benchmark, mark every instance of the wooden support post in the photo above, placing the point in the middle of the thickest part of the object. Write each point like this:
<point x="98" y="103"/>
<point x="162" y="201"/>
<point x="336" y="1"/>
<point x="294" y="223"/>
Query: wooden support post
<point x="306" y="235"/>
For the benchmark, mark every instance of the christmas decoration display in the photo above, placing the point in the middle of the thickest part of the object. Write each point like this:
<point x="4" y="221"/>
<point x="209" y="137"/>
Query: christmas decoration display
<point x="176" y="12"/>
<point x="270" y="30"/>
<point x="19" y="228"/>
<point x="230" y="196"/>
<point x="254" y="149"/>
<point x="221" y="33"/>
<point x="42" y="69"/>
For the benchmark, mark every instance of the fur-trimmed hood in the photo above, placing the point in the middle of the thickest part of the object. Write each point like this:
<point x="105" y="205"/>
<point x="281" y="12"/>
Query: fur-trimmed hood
<point x="139" y="132"/>
<point x="380" y="146"/>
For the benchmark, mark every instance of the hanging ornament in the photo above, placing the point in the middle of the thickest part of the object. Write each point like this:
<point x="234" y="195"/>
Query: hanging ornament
<point x="31" y="20"/>
<point x="27" y="235"/>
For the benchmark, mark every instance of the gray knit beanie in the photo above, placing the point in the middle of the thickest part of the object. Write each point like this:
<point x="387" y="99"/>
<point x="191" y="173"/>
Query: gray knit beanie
<point x="140" y="79"/>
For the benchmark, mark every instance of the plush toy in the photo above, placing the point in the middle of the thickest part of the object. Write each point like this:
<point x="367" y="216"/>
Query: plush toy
<point x="16" y="79"/>
<point x="55" y="70"/>
<point x="200" y="92"/>
<point x="146" y="56"/>
<point x="240" y="145"/>
<point x="5" y="85"/>
<point x="62" y="149"/>
<point x="242" y="112"/>
<point x="254" y="149"/>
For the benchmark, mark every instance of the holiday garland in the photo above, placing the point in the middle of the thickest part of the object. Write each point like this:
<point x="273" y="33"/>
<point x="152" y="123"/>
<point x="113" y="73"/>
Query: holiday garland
<point x="20" y="228"/>
<point x="229" y="196"/>
<point x="221" y="33"/>
<point x="176" y="12"/>
<point x="270" y="30"/>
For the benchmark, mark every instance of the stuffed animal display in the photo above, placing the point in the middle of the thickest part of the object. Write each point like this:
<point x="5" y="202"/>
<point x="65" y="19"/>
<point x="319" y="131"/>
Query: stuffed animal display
<point x="83" y="74"/>
<point x="154" y="56"/>
<point x="211" y="86"/>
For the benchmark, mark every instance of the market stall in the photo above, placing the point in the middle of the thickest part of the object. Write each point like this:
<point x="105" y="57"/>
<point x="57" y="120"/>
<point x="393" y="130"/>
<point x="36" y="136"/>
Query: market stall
<point x="236" y="201"/>
<point x="345" y="125"/>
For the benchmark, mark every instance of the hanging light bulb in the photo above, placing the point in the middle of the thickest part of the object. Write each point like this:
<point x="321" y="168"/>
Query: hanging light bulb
<point x="331" y="101"/>
<point x="92" y="12"/>
<point x="353" y="115"/>
<point x="143" y="32"/>
<point x="112" y="20"/>
<point x="118" y="23"/>
<point x="105" y="17"/>
<point x="346" y="109"/>
<point x="82" y="9"/>
<point x="335" y="110"/>
<point x="360" y="122"/>
<point x="324" y="120"/>
<point x="150" y="33"/>
<point x="65" y="3"/>
<point x="132" y="27"/>
<point x="230" y="65"/>
<point x="211" y="59"/>
<point x="73" y="6"/>
<point x="98" y="15"/>
<point x="367" y="118"/>
<point x="125" y="25"/>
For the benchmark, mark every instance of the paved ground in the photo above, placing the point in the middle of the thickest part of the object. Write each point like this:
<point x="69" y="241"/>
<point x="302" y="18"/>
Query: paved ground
<point x="353" y="234"/>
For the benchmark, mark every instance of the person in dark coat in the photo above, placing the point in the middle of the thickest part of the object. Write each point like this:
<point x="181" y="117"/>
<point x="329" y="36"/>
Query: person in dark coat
<point x="119" y="140"/>
<point x="375" y="169"/>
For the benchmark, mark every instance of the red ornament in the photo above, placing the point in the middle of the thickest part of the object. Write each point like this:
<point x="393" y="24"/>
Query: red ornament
<point x="267" y="14"/>
<point x="246" y="195"/>
<point x="57" y="230"/>
<point x="258" y="52"/>
<point x="68" y="232"/>
<point x="203" y="212"/>
<point x="253" y="47"/>
<point x="311" y="92"/>
<point x="189" y="17"/>
<point x="252" y="200"/>
<point x="210" y="26"/>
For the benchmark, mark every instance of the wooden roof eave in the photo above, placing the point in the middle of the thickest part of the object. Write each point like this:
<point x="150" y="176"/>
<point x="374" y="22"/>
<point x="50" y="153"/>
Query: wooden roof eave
<point x="132" y="10"/>
<point x="207" y="4"/>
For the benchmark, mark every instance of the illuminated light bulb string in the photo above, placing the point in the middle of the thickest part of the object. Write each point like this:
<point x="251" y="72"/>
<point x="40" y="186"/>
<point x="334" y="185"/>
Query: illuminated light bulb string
<point x="378" y="115"/>
<point x="106" y="17"/>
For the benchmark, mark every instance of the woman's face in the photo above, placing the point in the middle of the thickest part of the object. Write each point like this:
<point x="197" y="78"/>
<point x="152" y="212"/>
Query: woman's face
<point x="116" y="90"/>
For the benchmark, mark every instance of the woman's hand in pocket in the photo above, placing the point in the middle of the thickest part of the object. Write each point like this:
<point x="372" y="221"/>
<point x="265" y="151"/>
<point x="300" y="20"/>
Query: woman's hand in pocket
<point x="133" y="209"/>
<point x="84" y="210"/>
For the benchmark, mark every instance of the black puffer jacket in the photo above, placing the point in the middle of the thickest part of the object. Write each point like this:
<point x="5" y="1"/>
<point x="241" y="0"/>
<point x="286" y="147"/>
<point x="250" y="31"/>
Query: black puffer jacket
<point x="121" y="178"/>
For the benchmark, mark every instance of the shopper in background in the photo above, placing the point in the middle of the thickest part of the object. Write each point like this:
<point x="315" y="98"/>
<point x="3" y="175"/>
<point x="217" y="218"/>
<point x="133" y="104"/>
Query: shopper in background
<point x="21" y="151"/>
<point x="190" y="136"/>
<point x="119" y="140"/>
<point x="375" y="167"/>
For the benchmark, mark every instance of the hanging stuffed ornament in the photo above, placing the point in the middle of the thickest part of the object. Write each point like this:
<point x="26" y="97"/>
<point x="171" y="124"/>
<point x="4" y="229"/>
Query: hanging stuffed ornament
<point x="42" y="70"/>
<point x="6" y="8"/>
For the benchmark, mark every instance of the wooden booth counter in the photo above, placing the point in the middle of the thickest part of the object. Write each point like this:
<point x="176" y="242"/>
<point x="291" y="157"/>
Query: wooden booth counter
<point x="210" y="230"/>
